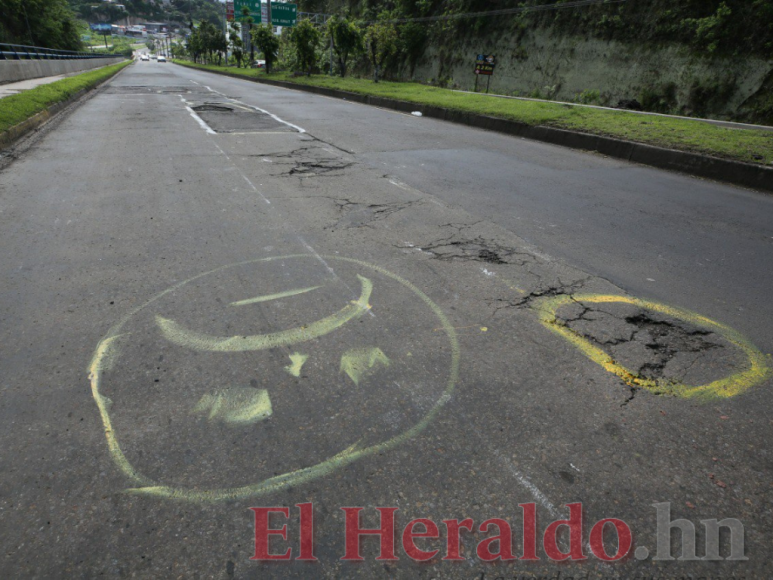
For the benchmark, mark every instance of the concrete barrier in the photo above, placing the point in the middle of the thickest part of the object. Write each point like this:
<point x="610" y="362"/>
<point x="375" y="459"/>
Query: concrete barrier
<point x="12" y="71"/>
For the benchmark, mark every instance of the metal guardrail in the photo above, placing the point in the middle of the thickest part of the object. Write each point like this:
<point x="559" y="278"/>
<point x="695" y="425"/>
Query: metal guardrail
<point x="22" y="52"/>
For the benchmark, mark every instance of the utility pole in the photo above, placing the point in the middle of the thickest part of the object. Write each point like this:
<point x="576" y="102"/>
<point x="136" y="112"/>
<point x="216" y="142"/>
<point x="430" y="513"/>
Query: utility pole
<point x="252" y="46"/>
<point x="225" y="22"/>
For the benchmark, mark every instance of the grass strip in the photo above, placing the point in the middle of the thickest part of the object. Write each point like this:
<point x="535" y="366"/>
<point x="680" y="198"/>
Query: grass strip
<point x="748" y="145"/>
<point x="18" y="108"/>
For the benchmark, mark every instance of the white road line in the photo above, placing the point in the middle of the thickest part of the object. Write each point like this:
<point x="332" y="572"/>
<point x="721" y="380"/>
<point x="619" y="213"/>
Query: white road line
<point x="329" y="269"/>
<point x="272" y="115"/>
<point x="534" y="491"/>
<point x="522" y="479"/>
<point x="247" y="179"/>
<point x="199" y="120"/>
<point x="300" y="239"/>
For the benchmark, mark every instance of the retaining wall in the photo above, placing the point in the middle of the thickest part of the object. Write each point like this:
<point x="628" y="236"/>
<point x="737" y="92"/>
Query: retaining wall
<point x="12" y="71"/>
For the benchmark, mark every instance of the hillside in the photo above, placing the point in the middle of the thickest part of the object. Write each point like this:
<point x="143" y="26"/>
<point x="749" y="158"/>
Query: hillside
<point x="177" y="11"/>
<point x="690" y="57"/>
<point x="54" y="23"/>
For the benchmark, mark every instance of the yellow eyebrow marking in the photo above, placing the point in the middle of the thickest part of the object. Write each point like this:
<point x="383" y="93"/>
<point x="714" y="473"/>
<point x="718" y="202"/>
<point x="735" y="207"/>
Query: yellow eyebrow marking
<point x="276" y="296"/>
<point x="181" y="336"/>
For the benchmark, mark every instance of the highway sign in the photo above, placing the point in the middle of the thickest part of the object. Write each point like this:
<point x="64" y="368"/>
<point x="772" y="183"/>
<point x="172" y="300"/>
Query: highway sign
<point x="284" y="14"/>
<point x="253" y="5"/>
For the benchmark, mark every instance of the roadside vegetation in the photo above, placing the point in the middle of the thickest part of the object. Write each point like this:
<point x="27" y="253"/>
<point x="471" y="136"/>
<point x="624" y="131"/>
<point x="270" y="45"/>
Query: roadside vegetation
<point x="752" y="146"/>
<point x="18" y="108"/>
<point x="173" y="11"/>
<point x="46" y="23"/>
<point x="387" y="40"/>
<point x="123" y="45"/>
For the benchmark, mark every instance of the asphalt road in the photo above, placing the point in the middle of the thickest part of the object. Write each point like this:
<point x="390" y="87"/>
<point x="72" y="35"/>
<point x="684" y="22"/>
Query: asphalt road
<point x="219" y="295"/>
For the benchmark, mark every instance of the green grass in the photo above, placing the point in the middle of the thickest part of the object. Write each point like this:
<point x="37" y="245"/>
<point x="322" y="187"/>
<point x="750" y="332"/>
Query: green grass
<point x="18" y="108"/>
<point x="749" y="145"/>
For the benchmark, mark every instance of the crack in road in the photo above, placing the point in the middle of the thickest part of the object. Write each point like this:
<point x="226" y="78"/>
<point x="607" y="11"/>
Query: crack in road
<point x="559" y="289"/>
<point x="360" y="215"/>
<point x="649" y="345"/>
<point x="459" y="247"/>
<point x="307" y="161"/>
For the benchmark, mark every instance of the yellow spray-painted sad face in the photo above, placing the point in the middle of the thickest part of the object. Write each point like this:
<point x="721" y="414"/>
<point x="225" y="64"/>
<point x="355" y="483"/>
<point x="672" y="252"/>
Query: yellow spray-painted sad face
<point x="270" y="373"/>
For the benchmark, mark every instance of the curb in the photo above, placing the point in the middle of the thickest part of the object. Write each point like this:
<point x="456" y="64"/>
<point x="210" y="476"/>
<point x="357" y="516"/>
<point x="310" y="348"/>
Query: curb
<point x="10" y="136"/>
<point x="734" y="172"/>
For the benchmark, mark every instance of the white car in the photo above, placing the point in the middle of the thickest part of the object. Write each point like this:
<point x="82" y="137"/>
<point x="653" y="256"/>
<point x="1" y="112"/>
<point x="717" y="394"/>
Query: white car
<point x="162" y="58"/>
<point x="144" y="57"/>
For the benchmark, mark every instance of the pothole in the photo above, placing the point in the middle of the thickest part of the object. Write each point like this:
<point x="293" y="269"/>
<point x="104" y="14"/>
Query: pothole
<point x="212" y="107"/>
<point x="653" y="346"/>
<point x="226" y="117"/>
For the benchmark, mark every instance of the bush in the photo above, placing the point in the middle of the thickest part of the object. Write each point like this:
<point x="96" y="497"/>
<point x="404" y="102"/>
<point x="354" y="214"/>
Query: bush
<point x="659" y="99"/>
<point x="589" y="97"/>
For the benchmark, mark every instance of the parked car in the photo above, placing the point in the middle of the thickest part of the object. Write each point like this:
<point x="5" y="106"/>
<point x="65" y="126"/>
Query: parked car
<point x="259" y="64"/>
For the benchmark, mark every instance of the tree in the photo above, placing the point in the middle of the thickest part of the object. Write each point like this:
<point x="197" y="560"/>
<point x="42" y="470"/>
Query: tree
<point x="46" y="23"/>
<point x="346" y="39"/>
<point x="248" y="21"/>
<point x="194" y="45"/>
<point x="206" y="40"/>
<point x="381" y="42"/>
<point x="305" y="36"/>
<point x="178" y="50"/>
<point x="414" y="38"/>
<point x="236" y="44"/>
<point x="264" y="38"/>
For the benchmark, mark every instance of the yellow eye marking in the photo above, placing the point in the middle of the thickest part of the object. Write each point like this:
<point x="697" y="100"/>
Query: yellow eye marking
<point x="181" y="336"/>
<point x="361" y="362"/>
<point x="297" y="359"/>
<point x="276" y="296"/>
<point x="237" y="406"/>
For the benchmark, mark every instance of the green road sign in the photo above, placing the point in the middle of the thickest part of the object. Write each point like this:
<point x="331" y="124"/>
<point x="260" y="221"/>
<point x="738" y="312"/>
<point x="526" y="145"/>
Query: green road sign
<point x="282" y="14"/>
<point x="253" y="5"/>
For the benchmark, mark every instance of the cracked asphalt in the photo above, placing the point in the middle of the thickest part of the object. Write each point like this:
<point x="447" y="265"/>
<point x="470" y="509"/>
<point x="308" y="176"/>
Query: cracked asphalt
<point x="219" y="295"/>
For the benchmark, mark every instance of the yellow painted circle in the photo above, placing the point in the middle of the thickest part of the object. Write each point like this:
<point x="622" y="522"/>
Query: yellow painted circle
<point x="757" y="369"/>
<point x="105" y="351"/>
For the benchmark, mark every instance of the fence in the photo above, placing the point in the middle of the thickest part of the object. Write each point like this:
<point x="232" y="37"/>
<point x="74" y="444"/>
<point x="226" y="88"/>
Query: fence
<point x="22" y="52"/>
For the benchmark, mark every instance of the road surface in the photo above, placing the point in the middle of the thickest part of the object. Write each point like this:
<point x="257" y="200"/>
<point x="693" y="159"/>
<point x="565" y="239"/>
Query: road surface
<point x="219" y="295"/>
